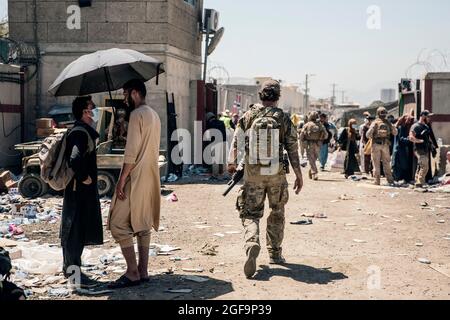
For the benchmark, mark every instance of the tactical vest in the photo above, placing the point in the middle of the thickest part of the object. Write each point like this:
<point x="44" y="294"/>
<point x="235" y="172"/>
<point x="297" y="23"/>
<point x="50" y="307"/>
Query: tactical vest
<point x="383" y="131"/>
<point x="314" y="131"/>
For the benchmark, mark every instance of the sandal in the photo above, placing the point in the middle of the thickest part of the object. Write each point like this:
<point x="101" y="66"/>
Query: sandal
<point x="123" y="282"/>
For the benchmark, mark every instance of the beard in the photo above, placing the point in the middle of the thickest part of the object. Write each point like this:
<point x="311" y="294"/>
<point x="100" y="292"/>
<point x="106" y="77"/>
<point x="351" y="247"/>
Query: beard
<point x="131" y="103"/>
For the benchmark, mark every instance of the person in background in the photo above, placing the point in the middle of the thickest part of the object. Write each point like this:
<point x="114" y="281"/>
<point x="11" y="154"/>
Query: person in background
<point x="235" y="119"/>
<point x="348" y="142"/>
<point x="226" y="119"/>
<point x="302" y="145"/>
<point x="366" y="159"/>
<point x="420" y="135"/>
<point x="403" y="151"/>
<point x="213" y="124"/>
<point x="323" y="156"/>
<point x="393" y="121"/>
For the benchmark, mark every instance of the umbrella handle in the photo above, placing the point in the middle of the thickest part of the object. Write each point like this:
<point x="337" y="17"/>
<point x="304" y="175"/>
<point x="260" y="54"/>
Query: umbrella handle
<point x="158" y="68"/>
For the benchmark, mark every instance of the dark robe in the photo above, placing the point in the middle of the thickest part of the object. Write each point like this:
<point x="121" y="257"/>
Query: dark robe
<point x="403" y="156"/>
<point x="81" y="222"/>
<point x="351" y="162"/>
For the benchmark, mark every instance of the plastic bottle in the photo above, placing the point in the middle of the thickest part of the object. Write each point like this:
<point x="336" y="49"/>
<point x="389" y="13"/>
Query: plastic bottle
<point x="440" y="142"/>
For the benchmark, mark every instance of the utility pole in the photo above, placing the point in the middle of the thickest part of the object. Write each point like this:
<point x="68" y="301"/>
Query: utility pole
<point x="333" y="99"/>
<point x="343" y="95"/>
<point x="306" y="106"/>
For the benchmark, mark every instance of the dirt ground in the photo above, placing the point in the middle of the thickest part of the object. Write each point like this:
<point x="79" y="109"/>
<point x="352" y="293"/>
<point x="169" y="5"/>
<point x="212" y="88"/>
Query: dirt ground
<point x="367" y="248"/>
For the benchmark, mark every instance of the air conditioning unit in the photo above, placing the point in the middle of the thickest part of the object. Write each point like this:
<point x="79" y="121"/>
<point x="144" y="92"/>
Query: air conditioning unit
<point x="211" y="21"/>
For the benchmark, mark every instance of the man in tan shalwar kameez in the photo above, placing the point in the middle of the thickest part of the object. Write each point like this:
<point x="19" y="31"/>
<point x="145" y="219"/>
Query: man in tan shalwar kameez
<point x="135" y="207"/>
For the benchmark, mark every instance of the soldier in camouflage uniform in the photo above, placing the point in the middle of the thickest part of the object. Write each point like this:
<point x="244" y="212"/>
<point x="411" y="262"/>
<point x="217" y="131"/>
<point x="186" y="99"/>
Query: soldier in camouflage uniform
<point x="263" y="180"/>
<point x="312" y="135"/>
<point x="380" y="132"/>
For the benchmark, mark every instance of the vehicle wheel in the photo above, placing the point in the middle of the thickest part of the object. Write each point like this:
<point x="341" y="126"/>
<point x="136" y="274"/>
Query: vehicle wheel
<point x="32" y="186"/>
<point x="106" y="184"/>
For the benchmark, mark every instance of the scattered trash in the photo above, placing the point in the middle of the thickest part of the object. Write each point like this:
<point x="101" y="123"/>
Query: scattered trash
<point x="220" y="235"/>
<point x="394" y="195"/>
<point x="346" y="197"/>
<point x="233" y="232"/>
<point x="303" y="222"/>
<point x="172" y="197"/>
<point x="59" y="292"/>
<point x="334" y="201"/>
<point x="209" y="249"/>
<point x="194" y="270"/>
<point x="419" y="244"/>
<point x="92" y="292"/>
<point x="170" y="178"/>
<point x="410" y="217"/>
<point x="441" y="221"/>
<point x="179" y="290"/>
<point x="202" y="227"/>
<point x="167" y="271"/>
<point x="179" y="259"/>
<point x="424" y="204"/>
<point x="196" y="279"/>
<point x="424" y="261"/>
<point x="351" y="225"/>
<point x="359" y="241"/>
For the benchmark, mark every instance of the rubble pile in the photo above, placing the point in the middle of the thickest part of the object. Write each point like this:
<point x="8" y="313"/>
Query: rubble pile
<point x="15" y="212"/>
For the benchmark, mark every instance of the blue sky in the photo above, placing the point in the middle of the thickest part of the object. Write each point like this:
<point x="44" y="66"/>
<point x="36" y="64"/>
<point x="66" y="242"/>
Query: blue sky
<point x="288" y="38"/>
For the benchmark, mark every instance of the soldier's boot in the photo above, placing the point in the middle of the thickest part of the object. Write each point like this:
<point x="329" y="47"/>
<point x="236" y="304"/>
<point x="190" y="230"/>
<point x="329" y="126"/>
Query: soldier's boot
<point x="315" y="177"/>
<point x="310" y="174"/>
<point x="279" y="259"/>
<point x="377" y="181"/>
<point x="250" y="264"/>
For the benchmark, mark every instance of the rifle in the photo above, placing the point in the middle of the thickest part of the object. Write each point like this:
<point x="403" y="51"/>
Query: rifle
<point x="237" y="177"/>
<point x="286" y="163"/>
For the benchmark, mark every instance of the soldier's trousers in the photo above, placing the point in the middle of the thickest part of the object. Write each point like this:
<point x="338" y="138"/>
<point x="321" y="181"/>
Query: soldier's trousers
<point x="312" y="153"/>
<point x="381" y="154"/>
<point x="423" y="166"/>
<point x="250" y="205"/>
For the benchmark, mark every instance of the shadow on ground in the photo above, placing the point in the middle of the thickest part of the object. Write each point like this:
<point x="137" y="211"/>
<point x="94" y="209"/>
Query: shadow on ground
<point x="300" y="273"/>
<point x="157" y="289"/>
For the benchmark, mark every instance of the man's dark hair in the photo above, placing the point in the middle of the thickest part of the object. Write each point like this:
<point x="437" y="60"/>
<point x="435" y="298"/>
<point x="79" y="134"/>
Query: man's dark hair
<point x="323" y="115"/>
<point x="137" y="85"/>
<point x="79" y="105"/>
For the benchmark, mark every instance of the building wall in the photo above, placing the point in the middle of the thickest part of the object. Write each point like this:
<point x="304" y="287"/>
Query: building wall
<point x="165" y="29"/>
<point x="10" y="123"/>
<point x="436" y="98"/>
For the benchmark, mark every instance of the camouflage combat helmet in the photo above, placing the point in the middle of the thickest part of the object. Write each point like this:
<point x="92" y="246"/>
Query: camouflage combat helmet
<point x="270" y="91"/>
<point x="313" y="116"/>
<point x="382" y="111"/>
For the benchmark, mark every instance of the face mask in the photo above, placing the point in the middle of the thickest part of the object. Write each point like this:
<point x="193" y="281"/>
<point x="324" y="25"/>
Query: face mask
<point x="93" y="116"/>
<point x="355" y="126"/>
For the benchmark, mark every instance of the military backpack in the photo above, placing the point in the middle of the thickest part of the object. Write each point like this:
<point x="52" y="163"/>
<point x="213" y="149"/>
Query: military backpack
<point x="263" y="141"/>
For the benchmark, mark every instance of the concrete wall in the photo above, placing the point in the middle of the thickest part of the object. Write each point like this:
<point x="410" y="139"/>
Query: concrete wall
<point x="165" y="29"/>
<point x="10" y="123"/>
<point x="436" y="98"/>
<point x="291" y="99"/>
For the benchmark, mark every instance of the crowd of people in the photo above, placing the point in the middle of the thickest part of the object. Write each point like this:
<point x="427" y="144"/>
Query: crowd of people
<point x="398" y="149"/>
